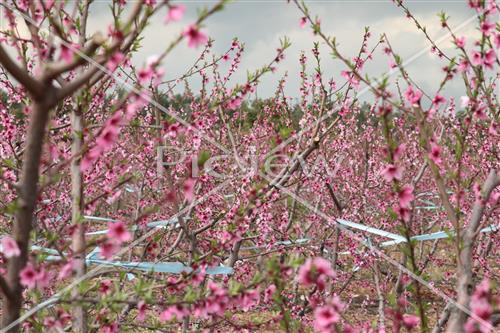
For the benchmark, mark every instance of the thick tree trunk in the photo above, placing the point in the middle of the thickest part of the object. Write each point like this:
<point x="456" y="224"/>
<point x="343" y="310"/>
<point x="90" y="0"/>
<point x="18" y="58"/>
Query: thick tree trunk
<point x="78" y="238"/>
<point x="27" y="197"/>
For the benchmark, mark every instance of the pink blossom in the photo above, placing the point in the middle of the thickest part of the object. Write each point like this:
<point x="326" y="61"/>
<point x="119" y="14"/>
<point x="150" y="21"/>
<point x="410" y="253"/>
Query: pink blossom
<point x="90" y="158"/>
<point x="315" y="271"/>
<point x="42" y="278"/>
<point x="195" y="36"/>
<point x="481" y="306"/>
<point x="405" y="196"/>
<point x="108" y="249"/>
<point x="9" y="247"/>
<point x="435" y="154"/>
<point x="475" y="4"/>
<point x="464" y="101"/>
<point x="392" y="172"/>
<point x="323" y="266"/>
<point x="114" y="61"/>
<point x="324" y="317"/>
<point x="413" y="96"/>
<point x="117" y="231"/>
<point x="28" y="276"/>
<point x="141" y="311"/>
<point x="476" y="58"/>
<point x="487" y="27"/>
<point x="269" y="292"/>
<point x="51" y="323"/>
<point x="493" y="129"/>
<point x="249" y="299"/>
<point x="479" y="112"/>
<point x="176" y="311"/>
<point x="438" y="100"/>
<point x="399" y="151"/>
<point x="188" y="189"/>
<point x="351" y="78"/>
<point x="106" y="140"/>
<point x="145" y="75"/>
<point x="463" y="65"/>
<point x="109" y="134"/>
<point x="66" y="270"/>
<point x="460" y="42"/>
<point x="303" y="22"/>
<point x="489" y="59"/>
<point x="111" y="199"/>
<point x="234" y="103"/>
<point x="410" y="321"/>
<point x="105" y="286"/>
<point x="66" y="54"/>
<point x="175" y="13"/>
<point x="497" y="40"/>
<point x="403" y="213"/>
<point x="110" y="328"/>
<point x="199" y="276"/>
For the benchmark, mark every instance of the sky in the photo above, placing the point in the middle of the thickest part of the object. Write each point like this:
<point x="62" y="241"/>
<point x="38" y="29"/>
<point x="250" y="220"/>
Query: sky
<point x="260" y="24"/>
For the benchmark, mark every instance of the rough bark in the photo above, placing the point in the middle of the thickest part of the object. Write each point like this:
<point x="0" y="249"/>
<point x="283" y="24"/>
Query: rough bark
<point x="27" y="196"/>
<point x="78" y="237"/>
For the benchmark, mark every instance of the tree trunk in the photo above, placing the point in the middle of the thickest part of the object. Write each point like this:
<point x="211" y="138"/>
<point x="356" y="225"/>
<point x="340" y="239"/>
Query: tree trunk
<point x="27" y="197"/>
<point x="465" y="284"/>
<point x="78" y="237"/>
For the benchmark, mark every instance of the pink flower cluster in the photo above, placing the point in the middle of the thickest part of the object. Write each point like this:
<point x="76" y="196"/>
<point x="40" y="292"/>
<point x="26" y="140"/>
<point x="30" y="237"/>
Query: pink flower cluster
<point x="481" y="307"/>
<point x="30" y="277"/>
<point x="9" y="247"/>
<point x="110" y="131"/>
<point x="117" y="234"/>
<point x="325" y="317"/>
<point x="315" y="272"/>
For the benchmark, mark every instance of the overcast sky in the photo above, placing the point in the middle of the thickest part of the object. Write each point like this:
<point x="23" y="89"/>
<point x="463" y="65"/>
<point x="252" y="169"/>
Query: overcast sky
<point x="259" y="24"/>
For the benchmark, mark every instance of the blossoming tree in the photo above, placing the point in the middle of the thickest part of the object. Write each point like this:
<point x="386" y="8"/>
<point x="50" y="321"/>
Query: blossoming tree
<point x="127" y="207"/>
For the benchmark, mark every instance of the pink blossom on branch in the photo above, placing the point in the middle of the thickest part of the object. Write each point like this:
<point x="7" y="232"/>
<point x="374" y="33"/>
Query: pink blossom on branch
<point x="315" y="272"/>
<point x="118" y="232"/>
<point x="9" y="247"/>
<point x="28" y="276"/>
<point x="392" y="172"/>
<point x="460" y="42"/>
<point x="174" y="311"/>
<point x="438" y="100"/>
<point x="108" y="249"/>
<point x="175" y="13"/>
<point x="324" y="317"/>
<point x="410" y="321"/>
<point x="435" y="154"/>
<point x="303" y="22"/>
<point x="195" y="37"/>
<point x="405" y="196"/>
<point x="413" y="96"/>
<point x="67" y="52"/>
<point x="114" y="61"/>
<point x="487" y="27"/>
